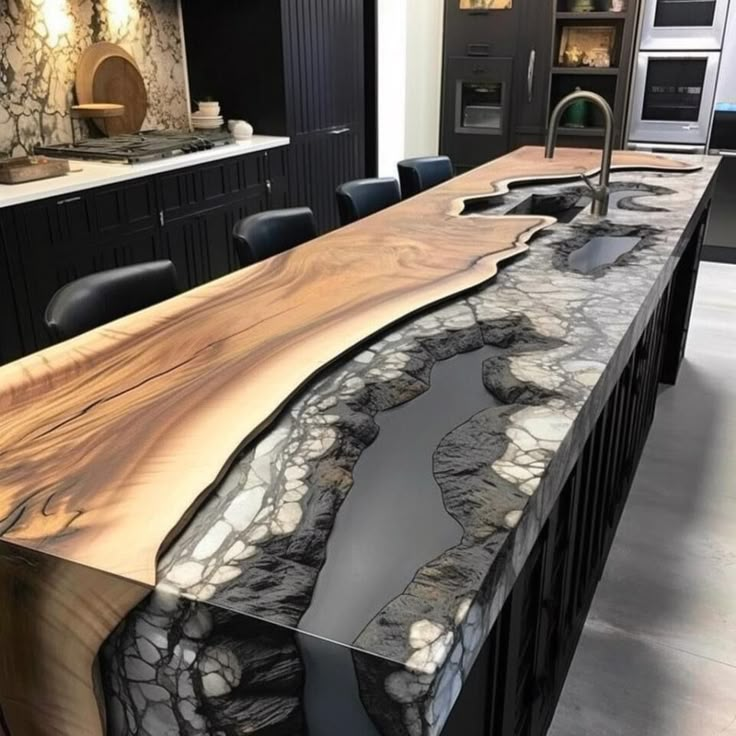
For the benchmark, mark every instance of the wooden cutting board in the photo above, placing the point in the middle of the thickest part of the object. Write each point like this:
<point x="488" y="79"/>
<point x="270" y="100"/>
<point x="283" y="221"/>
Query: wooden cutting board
<point x="107" y="73"/>
<point x="29" y="168"/>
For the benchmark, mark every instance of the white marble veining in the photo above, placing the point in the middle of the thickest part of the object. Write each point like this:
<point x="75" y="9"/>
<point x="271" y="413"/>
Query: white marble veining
<point x="41" y="42"/>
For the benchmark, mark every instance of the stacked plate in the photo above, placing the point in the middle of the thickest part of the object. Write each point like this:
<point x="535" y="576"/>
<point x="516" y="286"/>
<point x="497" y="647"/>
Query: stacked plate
<point x="207" y="122"/>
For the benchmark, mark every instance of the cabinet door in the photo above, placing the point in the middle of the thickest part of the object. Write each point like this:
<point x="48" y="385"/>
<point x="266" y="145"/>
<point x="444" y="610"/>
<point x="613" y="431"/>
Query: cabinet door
<point x="324" y="63"/>
<point x="120" y="210"/>
<point x="531" y="72"/>
<point x="11" y="340"/>
<point x="481" y="32"/>
<point x="201" y="246"/>
<point x="476" y="109"/>
<point x="324" y="53"/>
<point x="318" y="164"/>
<point x="277" y="179"/>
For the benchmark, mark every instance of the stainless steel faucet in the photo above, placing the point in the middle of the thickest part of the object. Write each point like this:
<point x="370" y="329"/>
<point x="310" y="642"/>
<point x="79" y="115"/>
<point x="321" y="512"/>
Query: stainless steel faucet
<point x="600" y="194"/>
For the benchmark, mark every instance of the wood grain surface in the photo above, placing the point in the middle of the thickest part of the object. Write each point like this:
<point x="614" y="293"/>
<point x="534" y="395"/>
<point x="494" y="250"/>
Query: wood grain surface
<point x="109" y="442"/>
<point x="117" y="80"/>
<point x="120" y="78"/>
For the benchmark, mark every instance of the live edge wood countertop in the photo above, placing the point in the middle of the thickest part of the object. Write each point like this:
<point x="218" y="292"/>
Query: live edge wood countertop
<point x="109" y="442"/>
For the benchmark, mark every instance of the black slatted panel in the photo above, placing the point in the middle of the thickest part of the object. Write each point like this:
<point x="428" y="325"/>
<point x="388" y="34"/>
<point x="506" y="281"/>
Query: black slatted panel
<point x="11" y="328"/>
<point x="324" y="62"/>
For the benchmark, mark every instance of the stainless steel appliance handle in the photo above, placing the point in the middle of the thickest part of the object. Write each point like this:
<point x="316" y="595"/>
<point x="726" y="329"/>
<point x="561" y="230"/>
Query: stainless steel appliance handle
<point x="530" y="75"/>
<point x="666" y="148"/>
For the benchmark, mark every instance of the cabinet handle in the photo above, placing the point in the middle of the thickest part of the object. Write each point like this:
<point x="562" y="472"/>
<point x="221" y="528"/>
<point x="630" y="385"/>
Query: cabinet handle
<point x="530" y="75"/>
<point x="269" y="190"/>
<point x="69" y="200"/>
<point x="161" y="217"/>
<point x="339" y="131"/>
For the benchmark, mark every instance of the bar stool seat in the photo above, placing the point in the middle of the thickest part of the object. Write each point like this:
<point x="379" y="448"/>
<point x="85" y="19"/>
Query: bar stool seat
<point x="362" y="197"/>
<point x="103" y="297"/>
<point x="419" y="174"/>
<point x="267" y="234"/>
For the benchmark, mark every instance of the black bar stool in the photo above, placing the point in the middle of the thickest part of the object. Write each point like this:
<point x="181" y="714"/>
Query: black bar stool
<point x="267" y="234"/>
<point x="102" y="297"/>
<point x="362" y="197"/>
<point x="418" y="174"/>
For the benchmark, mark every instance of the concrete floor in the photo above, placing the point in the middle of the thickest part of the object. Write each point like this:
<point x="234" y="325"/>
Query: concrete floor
<point x="658" y="654"/>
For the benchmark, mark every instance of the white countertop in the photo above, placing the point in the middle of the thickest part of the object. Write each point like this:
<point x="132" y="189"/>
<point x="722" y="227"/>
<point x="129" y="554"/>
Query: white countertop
<point x="88" y="174"/>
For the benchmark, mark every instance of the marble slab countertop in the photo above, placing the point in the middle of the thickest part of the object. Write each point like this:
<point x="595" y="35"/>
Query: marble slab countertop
<point x="355" y="557"/>
<point x="91" y="174"/>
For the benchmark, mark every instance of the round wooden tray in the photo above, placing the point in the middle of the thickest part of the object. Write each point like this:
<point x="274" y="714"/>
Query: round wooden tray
<point x="98" y="110"/>
<point x="107" y="73"/>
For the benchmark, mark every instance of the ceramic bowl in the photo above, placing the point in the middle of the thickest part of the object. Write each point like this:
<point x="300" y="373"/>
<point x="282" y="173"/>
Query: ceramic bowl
<point x="209" y="108"/>
<point x="242" y="131"/>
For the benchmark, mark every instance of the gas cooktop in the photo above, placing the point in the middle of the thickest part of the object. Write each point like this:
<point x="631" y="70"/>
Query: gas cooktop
<point x="138" y="147"/>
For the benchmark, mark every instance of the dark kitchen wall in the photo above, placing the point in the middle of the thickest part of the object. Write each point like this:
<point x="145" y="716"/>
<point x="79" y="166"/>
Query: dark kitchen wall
<point x="235" y="56"/>
<point x="297" y="68"/>
<point x="40" y="45"/>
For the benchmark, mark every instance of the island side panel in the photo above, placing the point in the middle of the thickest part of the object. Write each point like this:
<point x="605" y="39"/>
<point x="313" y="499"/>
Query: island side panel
<point x="53" y="621"/>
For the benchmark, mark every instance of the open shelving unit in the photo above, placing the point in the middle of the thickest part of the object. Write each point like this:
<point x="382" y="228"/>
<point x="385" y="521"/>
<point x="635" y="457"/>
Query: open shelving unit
<point x="611" y="82"/>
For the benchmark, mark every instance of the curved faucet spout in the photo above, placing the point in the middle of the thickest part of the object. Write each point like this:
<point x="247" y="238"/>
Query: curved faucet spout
<point x="600" y="194"/>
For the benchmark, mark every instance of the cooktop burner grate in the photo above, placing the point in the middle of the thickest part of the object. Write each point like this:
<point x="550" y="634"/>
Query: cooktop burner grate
<point x="138" y="147"/>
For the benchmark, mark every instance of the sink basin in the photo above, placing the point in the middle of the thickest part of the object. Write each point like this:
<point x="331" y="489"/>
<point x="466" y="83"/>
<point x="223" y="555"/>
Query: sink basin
<point x="564" y="206"/>
<point x="601" y="251"/>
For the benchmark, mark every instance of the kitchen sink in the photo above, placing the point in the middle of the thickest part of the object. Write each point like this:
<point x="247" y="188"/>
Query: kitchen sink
<point x="564" y="206"/>
<point x="601" y="251"/>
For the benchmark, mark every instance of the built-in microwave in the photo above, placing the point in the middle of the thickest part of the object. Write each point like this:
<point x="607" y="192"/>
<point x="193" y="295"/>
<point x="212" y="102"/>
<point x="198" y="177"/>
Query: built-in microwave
<point x="672" y="97"/>
<point x="670" y="25"/>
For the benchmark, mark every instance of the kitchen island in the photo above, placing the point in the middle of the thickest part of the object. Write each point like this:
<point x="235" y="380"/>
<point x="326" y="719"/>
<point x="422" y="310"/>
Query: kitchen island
<point x="324" y="515"/>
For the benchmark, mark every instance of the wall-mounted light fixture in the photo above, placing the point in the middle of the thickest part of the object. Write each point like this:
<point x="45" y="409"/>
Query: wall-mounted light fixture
<point x="56" y="18"/>
<point x="119" y="14"/>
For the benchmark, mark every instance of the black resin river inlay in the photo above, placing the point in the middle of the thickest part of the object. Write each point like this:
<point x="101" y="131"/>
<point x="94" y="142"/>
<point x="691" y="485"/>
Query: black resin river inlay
<point x="393" y="520"/>
<point x="601" y="251"/>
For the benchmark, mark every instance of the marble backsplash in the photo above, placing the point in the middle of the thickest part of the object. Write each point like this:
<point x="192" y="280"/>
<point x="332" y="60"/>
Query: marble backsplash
<point x="41" y="42"/>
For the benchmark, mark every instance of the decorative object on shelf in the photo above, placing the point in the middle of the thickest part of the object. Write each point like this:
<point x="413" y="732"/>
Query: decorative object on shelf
<point x="97" y="111"/>
<point x="581" y="6"/>
<point x="587" y="46"/>
<point x="207" y="116"/>
<point x="576" y="115"/>
<point x="241" y="129"/>
<point x="486" y="4"/>
<point x="618" y="6"/>
<point x="31" y="168"/>
<point x="107" y="73"/>
<point x="572" y="56"/>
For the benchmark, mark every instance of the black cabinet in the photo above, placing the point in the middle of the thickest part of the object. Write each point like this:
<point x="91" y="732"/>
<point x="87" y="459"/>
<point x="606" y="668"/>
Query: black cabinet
<point x="186" y="215"/>
<point x="477" y="108"/>
<point x="294" y="67"/>
<point x="531" y="73"/>
<point x="60" y="240"/>
<point x="324" y="57"/>
<point x="495" y="79"/>
<point x="11" y="341"/>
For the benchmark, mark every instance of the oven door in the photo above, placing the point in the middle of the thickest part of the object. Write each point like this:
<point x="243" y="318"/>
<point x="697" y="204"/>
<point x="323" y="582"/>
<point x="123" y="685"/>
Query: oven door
<point x="670" y="25"/>
<point x="673" y="96"/>
<point x="475" y="115"/>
